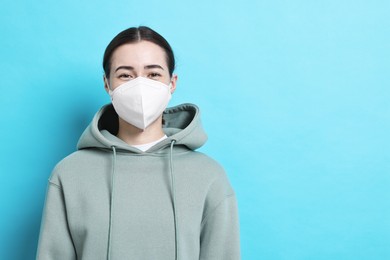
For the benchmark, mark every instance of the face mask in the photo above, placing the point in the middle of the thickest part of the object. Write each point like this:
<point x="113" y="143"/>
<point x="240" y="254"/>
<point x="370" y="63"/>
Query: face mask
<point x="140" y="101"/>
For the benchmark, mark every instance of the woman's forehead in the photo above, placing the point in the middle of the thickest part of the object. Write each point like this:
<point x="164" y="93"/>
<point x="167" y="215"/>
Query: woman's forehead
<point x="141" y="53"/>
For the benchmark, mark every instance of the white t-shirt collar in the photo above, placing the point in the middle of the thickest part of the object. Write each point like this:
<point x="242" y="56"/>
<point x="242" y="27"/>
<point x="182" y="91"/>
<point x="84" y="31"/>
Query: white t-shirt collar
<point x="145" y="147"/>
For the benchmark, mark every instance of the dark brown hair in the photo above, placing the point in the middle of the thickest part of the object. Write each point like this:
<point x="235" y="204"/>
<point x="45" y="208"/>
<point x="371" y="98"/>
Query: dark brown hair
<point x="137" y="34"/>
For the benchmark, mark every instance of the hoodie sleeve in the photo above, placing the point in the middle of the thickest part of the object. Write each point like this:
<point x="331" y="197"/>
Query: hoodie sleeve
<point x="55" y="242"/>
<point x="219" y="238"/>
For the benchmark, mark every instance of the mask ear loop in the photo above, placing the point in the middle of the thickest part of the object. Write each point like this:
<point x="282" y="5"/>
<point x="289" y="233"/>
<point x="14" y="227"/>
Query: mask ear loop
<point x="108" y="85"/>
<point x="170" y="86"/>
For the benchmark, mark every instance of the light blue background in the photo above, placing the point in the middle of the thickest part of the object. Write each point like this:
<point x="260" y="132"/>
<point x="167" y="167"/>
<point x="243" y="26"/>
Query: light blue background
<point x="294" y="94"/>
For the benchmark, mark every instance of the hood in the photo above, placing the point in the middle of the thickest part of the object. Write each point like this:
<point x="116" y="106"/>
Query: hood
<point x="181" y="123"/>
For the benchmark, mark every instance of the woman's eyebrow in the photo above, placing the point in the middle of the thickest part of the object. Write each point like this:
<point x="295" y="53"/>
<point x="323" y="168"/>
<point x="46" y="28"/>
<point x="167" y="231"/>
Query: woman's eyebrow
<point x="124" y="67"/>
<point x="153" y="66"/>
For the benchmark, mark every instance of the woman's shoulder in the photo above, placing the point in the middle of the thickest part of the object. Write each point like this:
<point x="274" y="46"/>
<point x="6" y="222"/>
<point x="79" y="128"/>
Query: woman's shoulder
<point x="207" y="168"/>
<point x="75" y="163"/>
<point x="204" y="162"/>
<point x="216" y="180"/>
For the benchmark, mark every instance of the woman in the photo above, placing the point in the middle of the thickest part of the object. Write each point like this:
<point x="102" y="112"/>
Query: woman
<point x="136" y="188"/>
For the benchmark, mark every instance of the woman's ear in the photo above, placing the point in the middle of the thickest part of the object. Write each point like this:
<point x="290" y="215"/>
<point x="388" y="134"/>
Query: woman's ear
<point x="106" y="85"/>
<point x="173" y="83"/>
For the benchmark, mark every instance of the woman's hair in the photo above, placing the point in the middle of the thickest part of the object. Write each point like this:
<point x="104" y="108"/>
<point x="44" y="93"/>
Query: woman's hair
<point x="133" y="35"/>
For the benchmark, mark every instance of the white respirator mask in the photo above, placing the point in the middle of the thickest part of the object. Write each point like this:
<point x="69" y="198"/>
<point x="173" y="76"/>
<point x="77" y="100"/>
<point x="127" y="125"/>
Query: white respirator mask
<point x="140" y="101"/>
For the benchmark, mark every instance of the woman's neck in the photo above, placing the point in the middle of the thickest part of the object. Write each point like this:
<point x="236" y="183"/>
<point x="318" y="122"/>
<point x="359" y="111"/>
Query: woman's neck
<point x="135" y="136"/>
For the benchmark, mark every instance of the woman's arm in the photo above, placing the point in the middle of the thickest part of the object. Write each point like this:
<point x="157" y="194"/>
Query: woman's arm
<point x="55" y="242"/>
<point x="220" y="232"/>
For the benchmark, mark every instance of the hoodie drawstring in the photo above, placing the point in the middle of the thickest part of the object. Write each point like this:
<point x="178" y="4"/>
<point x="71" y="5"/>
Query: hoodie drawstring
<point x="173" y="194"/>
<point x="175" y="217"/>
<point x="111" y="201"/>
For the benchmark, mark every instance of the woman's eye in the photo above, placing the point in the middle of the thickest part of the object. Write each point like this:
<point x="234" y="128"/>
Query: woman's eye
<point x="154" y="75"/>
<point x="124" y="76"/>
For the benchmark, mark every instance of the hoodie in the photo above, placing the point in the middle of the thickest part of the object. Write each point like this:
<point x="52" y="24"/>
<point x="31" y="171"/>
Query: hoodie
<point x="109" y="200"/>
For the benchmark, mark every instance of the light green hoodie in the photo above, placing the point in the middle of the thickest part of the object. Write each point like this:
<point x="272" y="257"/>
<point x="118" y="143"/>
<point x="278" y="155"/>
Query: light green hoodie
<point x="109" y="200"/>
